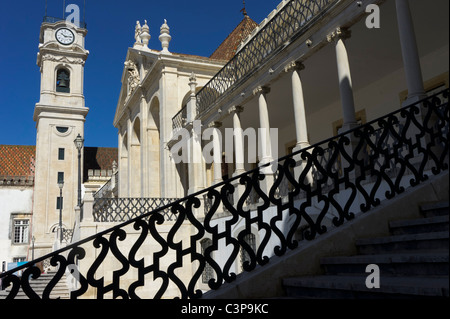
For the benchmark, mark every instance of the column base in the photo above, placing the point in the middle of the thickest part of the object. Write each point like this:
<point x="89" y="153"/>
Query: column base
<point x="194" y="190"/>
<point x="347" y="127"/>
<point x="413" y="99"/>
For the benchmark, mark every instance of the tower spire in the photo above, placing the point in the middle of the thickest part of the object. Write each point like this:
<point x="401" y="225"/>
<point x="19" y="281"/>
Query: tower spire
<point x="244" y="10"/>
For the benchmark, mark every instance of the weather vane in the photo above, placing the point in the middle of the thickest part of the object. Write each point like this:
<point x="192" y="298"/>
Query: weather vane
<point x="244" y="11"/>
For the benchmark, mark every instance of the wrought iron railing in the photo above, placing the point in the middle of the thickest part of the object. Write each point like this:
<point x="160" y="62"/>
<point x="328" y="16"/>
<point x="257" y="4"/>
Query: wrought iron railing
<point x="179" y="120"/>
<point x="289" y="22"/>
<point x="116" y="210"/>
<point x="354" y="177"/>
<point x="286" y="24"/>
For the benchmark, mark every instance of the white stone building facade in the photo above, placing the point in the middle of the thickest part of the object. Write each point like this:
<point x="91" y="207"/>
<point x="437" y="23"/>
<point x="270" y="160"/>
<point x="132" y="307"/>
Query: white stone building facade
<point x="339" y="73"/>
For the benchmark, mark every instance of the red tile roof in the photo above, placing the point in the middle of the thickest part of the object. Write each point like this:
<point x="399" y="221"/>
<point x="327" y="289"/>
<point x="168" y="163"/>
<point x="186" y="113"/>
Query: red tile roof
<point x="99" y="158"/>
<point x="17" y="160"/>
<point x="228" y="48"/>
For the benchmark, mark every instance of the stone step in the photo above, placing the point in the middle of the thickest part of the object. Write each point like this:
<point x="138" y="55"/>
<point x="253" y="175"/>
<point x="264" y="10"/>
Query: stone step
<point x="410" y="264"/>
<point x="413" y="263"/>
<point x="22" y="295"/>
<point x="354" y="287"/>
<point x="435" y="209"/>
<point x="402" y="243"/>
<point x="38" y="285"/>
<point x="423" y="225"/>
<point x="59" y="295"/>
<point x="43" y="283"/>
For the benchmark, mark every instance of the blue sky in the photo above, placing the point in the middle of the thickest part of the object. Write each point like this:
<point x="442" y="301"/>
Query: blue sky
<point x="197" y="27"/>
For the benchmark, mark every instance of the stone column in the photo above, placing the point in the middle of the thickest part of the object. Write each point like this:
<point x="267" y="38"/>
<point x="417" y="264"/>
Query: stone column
<point x="264" y="141"/>
<point x="130" y="155"/>
<point x="410" y="53"/>
<point x="413" y="70"/>
<point x="196" y="164"/>
<point x="345" y="78"/>
<point x="234" y="111"/>
<point x="123" y="162"/>
<point x="346" y="91"/>
<point x="195" y="158"/>
<point x="264" y="125"/>
<point x="143" y="148"/>
<point x="301" y="127"/>
<point x="217" y="149"/>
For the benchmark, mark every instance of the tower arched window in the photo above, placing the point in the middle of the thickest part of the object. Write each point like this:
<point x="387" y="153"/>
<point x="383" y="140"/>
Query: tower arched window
<point x="63" y="81"/>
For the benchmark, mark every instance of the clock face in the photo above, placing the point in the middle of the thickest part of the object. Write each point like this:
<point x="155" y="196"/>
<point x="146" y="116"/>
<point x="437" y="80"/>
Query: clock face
<point x="65" y="36"/>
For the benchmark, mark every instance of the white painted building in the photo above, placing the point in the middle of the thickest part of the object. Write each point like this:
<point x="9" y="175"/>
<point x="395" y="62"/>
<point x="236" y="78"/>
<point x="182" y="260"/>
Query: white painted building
<point x="16" y="198"/>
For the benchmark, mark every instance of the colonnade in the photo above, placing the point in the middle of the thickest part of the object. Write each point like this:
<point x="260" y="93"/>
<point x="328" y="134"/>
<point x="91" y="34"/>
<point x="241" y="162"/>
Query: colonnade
<point x="338" y="38"/>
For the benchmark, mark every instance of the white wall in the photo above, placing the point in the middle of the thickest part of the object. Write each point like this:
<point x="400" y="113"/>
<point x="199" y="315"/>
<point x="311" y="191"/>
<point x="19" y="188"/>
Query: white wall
<point x="13" y="200"/>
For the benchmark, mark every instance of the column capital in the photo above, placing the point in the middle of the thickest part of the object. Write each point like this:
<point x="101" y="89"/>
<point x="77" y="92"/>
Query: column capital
<point x="339" y="34"/>
<point x="261" y="90"/>
<point x="235" y="109"/>
<point x="294" y="66"/>
<point x="215" y="124"/>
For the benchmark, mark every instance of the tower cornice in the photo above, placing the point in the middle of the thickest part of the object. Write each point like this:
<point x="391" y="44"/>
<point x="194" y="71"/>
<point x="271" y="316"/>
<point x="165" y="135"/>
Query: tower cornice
<point x="62" y="112"/>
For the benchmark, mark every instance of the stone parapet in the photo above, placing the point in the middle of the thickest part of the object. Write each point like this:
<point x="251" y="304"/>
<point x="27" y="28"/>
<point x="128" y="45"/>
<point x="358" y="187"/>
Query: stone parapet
<point x="16" y="180"/>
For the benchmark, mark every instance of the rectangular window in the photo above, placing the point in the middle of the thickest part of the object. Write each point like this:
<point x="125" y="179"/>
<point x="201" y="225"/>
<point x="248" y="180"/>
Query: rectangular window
<point x="61" y="154"/>
<point x="59" y="202"/>
<point x="60" y="177"/>
<point x="21" y="227"/>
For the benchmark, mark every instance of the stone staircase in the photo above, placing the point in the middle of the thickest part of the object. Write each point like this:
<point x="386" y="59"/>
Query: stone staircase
<point x="413" y="262"/>
<point x="38" y="285"/>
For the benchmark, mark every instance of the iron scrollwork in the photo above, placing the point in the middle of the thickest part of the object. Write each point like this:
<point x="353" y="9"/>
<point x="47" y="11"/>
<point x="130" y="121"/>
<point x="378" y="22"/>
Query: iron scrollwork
<point x="287" y="24"/>
<point x="311" y="191"/>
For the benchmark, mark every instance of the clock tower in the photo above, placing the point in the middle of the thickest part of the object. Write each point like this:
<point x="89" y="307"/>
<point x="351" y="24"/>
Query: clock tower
<point x="59" y="115"/>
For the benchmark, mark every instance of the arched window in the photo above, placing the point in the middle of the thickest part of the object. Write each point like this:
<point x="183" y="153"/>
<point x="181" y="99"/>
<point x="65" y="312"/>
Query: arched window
<point x="63" y="81"/>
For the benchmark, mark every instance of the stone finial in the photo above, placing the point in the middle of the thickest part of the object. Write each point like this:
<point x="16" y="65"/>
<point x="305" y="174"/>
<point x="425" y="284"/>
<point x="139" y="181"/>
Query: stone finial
<point x="145" y="34"/>
<point x="193" y="83"/>
<point x="165" y="37"/>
